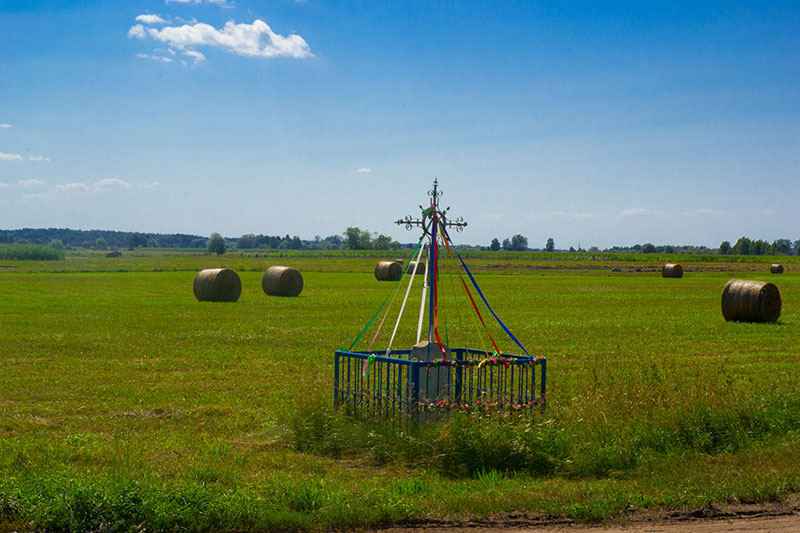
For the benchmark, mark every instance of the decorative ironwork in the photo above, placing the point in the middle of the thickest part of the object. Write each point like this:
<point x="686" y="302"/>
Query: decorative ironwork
<point x="410" y="222"/>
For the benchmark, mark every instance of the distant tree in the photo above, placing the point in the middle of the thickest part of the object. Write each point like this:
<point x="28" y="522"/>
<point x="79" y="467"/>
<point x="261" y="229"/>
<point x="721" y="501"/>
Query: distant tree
<point x="724" y="248"/>
<point x="135" y="240"/>
<point x="100" y="244"/>
<point x="495" y="245"/>
<point x="550" y="245"/>
<point x="6" y="237"/>
<point x="57" y="244"/>
<point x="742" y="246"/>
<point x="216" y="244"/>
<point x="152" y="243"/>
<point x="506" y="244"/>
<point x="571" y="248"/>
<point x="247" y="241"/>
<point x="383" y="242"/>
<point x="331" y="242"/>
<point x="760" y="247"/>
<point x="594" y="249"/>
<point x="519" y="243"/>
<point x="782" y="247"/>
<point x="88" y="245"/>
<point x="648" y="248"/>
<point x="296" y="243"/>
<point x="352" y="238"/>
<point x="669" y="249"/>
<point x="357" y="239"/>
<point x="796" y="247"/>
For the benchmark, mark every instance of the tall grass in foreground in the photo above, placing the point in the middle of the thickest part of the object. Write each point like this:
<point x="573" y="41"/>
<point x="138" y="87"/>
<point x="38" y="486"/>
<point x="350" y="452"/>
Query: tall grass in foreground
<point x="595" y="440"/>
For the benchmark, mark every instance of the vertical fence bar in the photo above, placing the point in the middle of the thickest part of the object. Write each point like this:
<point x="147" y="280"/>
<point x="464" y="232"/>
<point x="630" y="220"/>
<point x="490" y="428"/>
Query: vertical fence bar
<point x="543" y="382"/>
<point x="336" y="380"/>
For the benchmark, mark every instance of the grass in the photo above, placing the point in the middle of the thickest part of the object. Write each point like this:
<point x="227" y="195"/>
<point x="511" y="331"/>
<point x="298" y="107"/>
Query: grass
<point x="124" y="401"/>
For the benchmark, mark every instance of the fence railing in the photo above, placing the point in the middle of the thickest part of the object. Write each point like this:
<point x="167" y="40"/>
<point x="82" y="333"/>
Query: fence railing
<point x="402" y="390"/>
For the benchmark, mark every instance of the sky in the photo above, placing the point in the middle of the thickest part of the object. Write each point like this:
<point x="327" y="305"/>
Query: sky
<point x="593" y="123"/>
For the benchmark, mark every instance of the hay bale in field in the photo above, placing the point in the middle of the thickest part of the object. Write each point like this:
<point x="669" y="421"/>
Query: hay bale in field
<point x="672" y="270"/>
<point x="282" y="281"/>
<point x="388" y="271"/>
<point x="217" y="285"/>
<point x="751" y="301"/>
<point x="415" y="267"/>
<point x="776" y="269"/>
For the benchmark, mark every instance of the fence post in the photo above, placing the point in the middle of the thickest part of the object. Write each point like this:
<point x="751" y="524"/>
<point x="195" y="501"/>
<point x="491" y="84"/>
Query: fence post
<point x="543" y="382"/>
<point x="336" y="380"/>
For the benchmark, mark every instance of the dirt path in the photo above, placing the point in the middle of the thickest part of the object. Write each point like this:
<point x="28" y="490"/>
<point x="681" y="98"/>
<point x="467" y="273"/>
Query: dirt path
<point x="777" y="517"/>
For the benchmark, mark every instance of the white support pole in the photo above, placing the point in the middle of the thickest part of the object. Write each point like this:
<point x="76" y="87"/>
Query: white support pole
<point x="424" y="290"/>
<point x="402" y="307"/>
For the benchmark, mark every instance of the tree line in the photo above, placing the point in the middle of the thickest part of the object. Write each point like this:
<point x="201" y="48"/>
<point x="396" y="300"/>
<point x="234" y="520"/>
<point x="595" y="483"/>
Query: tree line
<point x="353" y="238"/>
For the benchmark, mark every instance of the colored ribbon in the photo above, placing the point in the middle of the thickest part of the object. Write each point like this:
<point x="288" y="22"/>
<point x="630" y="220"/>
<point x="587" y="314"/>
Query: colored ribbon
<point x="477" y="288"/>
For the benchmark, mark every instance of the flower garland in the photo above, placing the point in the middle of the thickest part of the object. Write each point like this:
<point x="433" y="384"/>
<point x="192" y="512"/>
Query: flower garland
<point x="493" y="360"/>
<point x="478" y="405"/>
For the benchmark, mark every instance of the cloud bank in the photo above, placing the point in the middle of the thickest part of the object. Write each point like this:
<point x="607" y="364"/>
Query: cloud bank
<point x="107" y="184"/>
<point x="10" y="157"/>
<point x="249" y="40"/>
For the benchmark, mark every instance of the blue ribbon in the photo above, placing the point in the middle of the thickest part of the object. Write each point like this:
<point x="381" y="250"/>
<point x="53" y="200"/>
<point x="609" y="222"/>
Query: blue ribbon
<point x="475" y="284"/>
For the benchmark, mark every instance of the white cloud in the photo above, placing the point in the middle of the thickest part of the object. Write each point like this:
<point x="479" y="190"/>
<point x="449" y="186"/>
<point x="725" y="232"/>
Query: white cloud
<point x="10" y="157"/>
<point x="70" y="187"/>
<point x="150" y="19"/>
<point x="364" y="170"/>
<point x="163" y="59"/>
<point x="137" y="31"/>
<point x="110" y="183"/>
<point x="222" y="3"/>
<point x="4" y="185"/>
<point x="251" y="40"/>
<point x="197" y="56"/>
<point x="6" y="126"/>
<point x="38" y="158"/>
<point x="640" y="211"/>
<point x="30" y="183"/>
<point x="107" y="184"/>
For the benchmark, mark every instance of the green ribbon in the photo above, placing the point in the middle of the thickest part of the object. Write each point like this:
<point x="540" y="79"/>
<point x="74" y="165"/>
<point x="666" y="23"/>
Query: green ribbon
<point x="371" y="320"/>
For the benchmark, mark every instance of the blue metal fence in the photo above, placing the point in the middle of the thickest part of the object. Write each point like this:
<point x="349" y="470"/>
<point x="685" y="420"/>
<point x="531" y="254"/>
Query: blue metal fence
<point x="401" y="390"/>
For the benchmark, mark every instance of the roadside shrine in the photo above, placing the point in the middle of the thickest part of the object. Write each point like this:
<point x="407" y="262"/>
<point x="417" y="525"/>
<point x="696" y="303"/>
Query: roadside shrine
<point x="430" y="379"/>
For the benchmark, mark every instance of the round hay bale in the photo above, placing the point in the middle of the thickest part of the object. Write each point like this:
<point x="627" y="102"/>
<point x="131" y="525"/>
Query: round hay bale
<point x="672" y="270"/>
<point x="282" y="281"/>
<point x="217" y="285"/>
<point x="751" y="301"/>
<point x="776" y="269"/>
<point x="388" y="271"/>
<point x="415" y="267"/>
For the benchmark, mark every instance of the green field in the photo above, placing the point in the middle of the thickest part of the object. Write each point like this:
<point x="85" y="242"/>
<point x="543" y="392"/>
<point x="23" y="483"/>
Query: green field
<point x="124" y="401"/>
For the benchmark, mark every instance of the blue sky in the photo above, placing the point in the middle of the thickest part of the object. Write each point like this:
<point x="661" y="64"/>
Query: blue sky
<point x="594" y="123"/>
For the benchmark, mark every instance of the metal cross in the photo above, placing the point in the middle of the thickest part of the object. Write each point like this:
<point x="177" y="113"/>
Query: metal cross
<point x="434" y="194"/>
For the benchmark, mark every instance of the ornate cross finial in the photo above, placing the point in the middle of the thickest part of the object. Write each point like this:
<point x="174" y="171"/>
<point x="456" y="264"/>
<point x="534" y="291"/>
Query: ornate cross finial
<point x="429" y="212"/>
